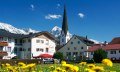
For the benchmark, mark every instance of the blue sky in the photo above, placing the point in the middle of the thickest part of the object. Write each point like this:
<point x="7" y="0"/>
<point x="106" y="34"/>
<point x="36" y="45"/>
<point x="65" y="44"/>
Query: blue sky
<point x="98" y="19"/>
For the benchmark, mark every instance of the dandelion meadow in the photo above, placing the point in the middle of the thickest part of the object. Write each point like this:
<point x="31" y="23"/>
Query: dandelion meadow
<point x="105" y="66"/>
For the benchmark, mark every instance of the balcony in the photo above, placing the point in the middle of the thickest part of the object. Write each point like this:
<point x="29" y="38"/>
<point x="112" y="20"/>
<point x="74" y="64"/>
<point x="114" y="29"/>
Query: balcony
<point x="3" y="53"/>
<point x="3" y="43"/>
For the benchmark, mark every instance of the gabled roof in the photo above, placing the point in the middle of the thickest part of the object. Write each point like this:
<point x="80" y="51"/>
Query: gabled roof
<point x="115" y="40"/>
<point x="85" y="40"/>
<point x="5" y="33"/>
<point x="104" y="47"/>
<point x="40" y="33"/>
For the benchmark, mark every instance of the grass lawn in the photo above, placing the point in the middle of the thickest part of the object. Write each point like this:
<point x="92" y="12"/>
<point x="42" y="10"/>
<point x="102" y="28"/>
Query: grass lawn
<point x="51" y="67"/>
<point x="115" y="68"/>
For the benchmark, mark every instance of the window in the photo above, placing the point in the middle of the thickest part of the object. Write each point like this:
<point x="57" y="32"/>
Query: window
<point x="20" y="49"/>
<point x="29" y="40"/>
<point x="9" y="49"/>
<point x="42" y="41"/>
<point x="29" y="49"/>
<point x="78" y="42"/>
<point x="68" y="48"/>
<point x="71" y="42"/>
<point x="75" y="48"/>
<point x="41" y="50"/>
<point x="37" y="41"/>
<point x="37" y="49"/>
<point x="81" y="47"/>
<point x="15" y="40"/>
<point x="47" y="49"/>
<point x="15" y="49"/>
<point x="92" y="53"/>
<point x="20" y="41"/>
<point x="112" y="52"/>
<point x="47" y="42"/>
<point x="68" y="53"/>
<point x="9" y="39"/>
<point x="1" y="38"/>
<point x="62" y="40"/>
<point x="75" y="53"/>
<point x="23" y="41"/>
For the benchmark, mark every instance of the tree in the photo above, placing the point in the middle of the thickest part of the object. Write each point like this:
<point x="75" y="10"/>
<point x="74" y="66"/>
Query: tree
<point x="58" y="55"/>
<point x="99" y="55"/>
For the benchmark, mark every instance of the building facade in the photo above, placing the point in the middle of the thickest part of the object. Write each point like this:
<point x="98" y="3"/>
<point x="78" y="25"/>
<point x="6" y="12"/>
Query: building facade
<point x="76" y="48"/>
<point x="26" y="46"/>
<point x="113" y="50"/>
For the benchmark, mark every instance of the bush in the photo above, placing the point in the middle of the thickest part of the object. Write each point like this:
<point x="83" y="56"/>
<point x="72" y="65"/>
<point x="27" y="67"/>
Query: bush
<point x="58" y="55"/>
<point x="99" y="55"/>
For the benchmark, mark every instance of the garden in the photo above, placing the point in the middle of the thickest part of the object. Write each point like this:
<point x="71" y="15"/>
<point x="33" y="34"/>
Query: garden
<point x="105" y="66"/>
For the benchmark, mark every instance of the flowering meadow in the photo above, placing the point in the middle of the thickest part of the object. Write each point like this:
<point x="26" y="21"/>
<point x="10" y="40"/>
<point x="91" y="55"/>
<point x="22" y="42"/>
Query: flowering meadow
<point x="105" y="66"/>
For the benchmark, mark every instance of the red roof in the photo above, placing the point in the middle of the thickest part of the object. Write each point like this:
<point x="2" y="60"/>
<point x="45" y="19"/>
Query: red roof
<point x="44" y="56"/>
<point x="105" y="47"/>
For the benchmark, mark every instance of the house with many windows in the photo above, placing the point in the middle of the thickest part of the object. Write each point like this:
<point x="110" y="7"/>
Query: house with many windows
<point x="113" y="50"/>
<point x="26" y="46"/>
<point x="76" y="48"/>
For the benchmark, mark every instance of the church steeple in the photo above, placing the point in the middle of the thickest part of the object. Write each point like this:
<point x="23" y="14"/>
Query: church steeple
<point x="65" y="23"/>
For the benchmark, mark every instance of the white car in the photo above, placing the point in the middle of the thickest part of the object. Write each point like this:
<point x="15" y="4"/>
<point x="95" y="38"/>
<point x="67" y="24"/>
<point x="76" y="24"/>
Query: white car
<point x="48" y="60"/>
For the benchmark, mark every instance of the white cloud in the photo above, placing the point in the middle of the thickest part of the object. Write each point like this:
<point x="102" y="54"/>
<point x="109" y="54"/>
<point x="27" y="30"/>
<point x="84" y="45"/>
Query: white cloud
<point x="81" y="15"/>
<point x="58" y="5"/>
<point x="32" y="6"/>
<point x="52" y="16"/>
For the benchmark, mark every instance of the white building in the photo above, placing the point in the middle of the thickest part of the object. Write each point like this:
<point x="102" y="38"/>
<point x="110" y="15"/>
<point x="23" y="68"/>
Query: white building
<point x="76" y="47"/>
<point x="26" y="46"/>
<point x="113" y="50"/>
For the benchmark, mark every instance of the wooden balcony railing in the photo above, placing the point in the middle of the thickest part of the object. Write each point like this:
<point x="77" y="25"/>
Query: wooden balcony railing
<point x="3" y="43"/>
<point x="3" y="53"/>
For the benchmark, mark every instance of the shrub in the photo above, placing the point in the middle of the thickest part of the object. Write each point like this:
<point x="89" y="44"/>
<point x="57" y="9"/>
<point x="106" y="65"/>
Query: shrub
<point x="58" y="55"/>
<point x="99" y="55"/>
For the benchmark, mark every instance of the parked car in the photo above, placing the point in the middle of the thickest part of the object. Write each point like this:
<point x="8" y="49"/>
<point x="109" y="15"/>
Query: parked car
<point x="48" y="60"/>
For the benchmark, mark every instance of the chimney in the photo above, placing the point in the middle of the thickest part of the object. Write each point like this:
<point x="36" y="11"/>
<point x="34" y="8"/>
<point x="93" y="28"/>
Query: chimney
<point x="86" y="37"/>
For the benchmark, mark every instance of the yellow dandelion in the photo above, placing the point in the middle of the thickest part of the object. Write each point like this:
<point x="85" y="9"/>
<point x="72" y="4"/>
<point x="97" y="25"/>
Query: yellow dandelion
<point x="83" y="63"/>
<point x="89" y="70"/>
<point x="107" y="62"/>
<point x="91" y="66"/>
<point x="98" y="69"/>
<point x="63" y="62"/>
<point x="75" y="69"/>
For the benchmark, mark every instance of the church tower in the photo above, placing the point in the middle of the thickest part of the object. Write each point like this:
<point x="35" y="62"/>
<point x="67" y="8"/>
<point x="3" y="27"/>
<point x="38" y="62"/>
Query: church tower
<point x="64" y="38"/>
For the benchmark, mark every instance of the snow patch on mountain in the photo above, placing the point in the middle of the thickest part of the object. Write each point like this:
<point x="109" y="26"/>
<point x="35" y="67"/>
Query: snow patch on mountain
<point x="15" y="30"/>
<point x="56" y="31"/>
<point x="95" y="41"/>
<point x="29" y="30"/>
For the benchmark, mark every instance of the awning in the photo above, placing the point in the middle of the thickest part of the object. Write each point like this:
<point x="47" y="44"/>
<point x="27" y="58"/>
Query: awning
<point x="44" y="56"/>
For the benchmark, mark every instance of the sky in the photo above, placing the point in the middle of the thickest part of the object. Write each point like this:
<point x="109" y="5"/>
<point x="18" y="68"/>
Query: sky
<point x="98" y="19"/>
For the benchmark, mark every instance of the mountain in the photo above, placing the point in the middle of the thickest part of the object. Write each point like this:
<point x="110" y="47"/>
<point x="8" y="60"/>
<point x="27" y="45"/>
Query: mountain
<point x="29" y="30"/>
<point x="95" y="41"/>
<point x="56" y="31"/>
<point x="15" y="30"/>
